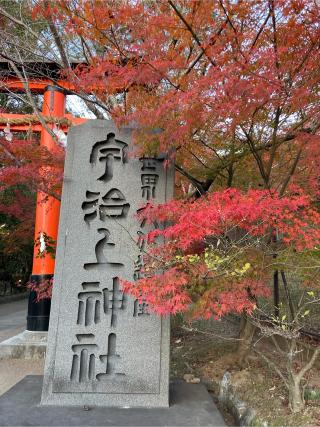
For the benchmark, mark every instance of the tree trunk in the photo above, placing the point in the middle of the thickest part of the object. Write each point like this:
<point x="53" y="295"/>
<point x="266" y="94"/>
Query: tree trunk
<point x="296" y="400"/>
<point x="247" y="330"/>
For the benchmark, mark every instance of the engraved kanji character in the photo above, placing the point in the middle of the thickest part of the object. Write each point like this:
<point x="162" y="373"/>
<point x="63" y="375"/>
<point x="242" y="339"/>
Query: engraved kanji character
<point x="111" y="205"/>
<point x="102" y="246"/>
<point x="114" y="205"/>
<point x="140" y="308"/>
<point x="138" y="264"/>
<point x="92" y="300"/>
<point x="149" y="182"/>
<point x="108" y="152"/>
<point x="148" y="164"/>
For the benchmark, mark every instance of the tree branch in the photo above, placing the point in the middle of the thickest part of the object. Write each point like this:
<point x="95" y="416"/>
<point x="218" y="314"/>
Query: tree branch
<point x="309" y="365"/>
<point x="290" y="174"/>
<point x="26" y="27"/>
<point x="272" y="365"/>
<point x="273" y="143"/>
<point x="256" y="156"/>
<point x="24" y="81"/>
<point x="190" y="29"/>
<point x="194" y="181"/>
<point x="58" y="41"/>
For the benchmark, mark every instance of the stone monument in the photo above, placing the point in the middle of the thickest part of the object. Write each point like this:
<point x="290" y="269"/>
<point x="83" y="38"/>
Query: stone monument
<point x="105" y="348"/>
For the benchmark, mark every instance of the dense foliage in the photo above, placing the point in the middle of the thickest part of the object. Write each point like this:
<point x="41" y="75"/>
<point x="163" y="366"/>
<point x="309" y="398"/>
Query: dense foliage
<point x="233" y="90"/>
<point x="219" y="252"/>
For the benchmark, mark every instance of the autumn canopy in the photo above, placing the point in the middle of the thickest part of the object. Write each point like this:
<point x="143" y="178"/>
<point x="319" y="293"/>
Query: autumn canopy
<point x="232" y="90"/>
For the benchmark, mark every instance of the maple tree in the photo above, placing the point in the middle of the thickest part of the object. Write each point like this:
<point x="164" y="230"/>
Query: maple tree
<point x="233" y="89"/>
<point x="219" y="251"/>
<point x="222" y="81"/>
<point x="218" y="255"/>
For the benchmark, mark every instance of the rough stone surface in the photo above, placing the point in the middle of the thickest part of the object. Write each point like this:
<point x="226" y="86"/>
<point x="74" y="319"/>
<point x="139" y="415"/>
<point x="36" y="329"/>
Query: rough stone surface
<point x="104" y="348"/>
<point x="243" y="414"/>
<point x="190" y="405"/>
<point x="26" y="345"/>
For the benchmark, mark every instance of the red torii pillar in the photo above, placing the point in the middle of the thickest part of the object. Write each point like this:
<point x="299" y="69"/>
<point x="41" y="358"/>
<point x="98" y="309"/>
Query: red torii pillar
<point x="47" y="219"/>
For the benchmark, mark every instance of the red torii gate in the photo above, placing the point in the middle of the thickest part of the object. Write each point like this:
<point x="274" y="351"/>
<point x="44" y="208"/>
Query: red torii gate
<point x="47" y="212"/>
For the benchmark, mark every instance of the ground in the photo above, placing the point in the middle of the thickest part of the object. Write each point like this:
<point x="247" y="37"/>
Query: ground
<point x="206" y="355"/>
<point x="12" y="318"/>
<point x="198" y="349"/>
<point x="12" y="322"/>
<point x="14" y="370"/>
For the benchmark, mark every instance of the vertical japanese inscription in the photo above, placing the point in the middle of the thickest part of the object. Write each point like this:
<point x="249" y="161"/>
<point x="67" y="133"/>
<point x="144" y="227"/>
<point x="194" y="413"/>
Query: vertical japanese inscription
<point x="149" y="180"/>
<point x="101" y="342"/>
<point x="94" y="301"/>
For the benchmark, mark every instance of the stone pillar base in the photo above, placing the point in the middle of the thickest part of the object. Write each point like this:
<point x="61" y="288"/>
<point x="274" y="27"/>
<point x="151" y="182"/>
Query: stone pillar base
<point x="26" y="345"/>
<point x="190" y="405"/>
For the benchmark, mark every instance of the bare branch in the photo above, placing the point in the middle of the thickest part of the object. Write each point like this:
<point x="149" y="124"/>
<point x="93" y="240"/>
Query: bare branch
<point x="290" y="173"/>
<point x="58" y="40"/>
<point x="309" y="365"/>
<point x="272" y="365"/>
<point x="24" y="81"/>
